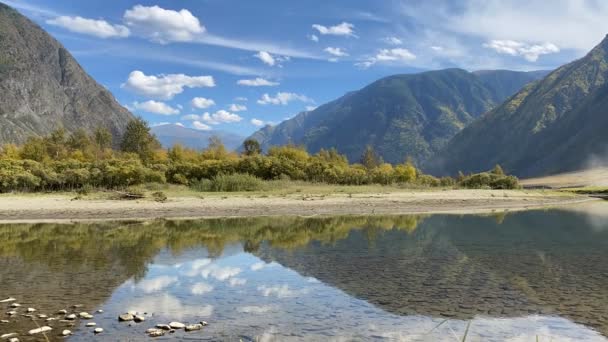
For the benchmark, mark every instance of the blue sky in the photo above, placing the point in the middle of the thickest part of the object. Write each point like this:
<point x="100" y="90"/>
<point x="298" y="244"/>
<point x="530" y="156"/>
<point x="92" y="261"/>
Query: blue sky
<point x="235" y="65"/>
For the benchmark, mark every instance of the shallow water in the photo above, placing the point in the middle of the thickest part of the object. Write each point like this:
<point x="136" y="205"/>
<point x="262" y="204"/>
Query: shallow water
<point x="507" y="277"/>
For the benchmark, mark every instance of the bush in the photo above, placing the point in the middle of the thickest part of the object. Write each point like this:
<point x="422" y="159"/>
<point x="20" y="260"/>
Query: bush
<point x="229" y="183"/>
<point x="159" y="196"/>
<point x="490" y="180"/>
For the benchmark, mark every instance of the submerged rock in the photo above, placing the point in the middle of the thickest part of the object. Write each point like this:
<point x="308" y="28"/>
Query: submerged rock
<point x="15" y="305"/>
<point x="125" y="317"/>
<point x="39" y="330"/>
<point x="155" y="332"/>
<point x="85" y="315"/>
<point x="139" y="318"/>
<point x="66" y="332"/>
<point x="177" y="325"/>
<point x="193" y="327"/>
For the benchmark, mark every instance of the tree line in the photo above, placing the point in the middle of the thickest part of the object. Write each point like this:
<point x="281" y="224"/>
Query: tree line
<point x="61" y="162"/>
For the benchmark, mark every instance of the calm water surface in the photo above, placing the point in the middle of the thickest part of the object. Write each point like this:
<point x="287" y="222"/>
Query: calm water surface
<point x="539" y="275"/>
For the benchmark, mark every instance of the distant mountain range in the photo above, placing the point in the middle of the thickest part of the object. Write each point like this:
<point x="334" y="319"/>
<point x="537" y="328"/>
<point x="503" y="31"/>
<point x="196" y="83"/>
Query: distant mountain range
<point x="43" y="88"/>
<point x="400" y="116"/>
<point x="555" y="125"/>
<point x="170" y="134"/>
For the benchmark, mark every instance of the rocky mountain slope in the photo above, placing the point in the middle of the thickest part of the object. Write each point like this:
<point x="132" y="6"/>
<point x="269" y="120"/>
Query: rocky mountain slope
<point x="43" y="88"/>
<point x="555" y="125"/>
<point x="400" y="116"/>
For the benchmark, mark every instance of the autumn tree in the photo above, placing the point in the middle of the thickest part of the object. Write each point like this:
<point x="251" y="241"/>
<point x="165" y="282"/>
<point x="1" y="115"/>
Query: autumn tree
<point x="138" y="139"/>
<point x="251" y="147"/>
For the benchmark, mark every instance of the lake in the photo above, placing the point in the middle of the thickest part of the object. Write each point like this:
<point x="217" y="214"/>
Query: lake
<point x="528" y="276"/>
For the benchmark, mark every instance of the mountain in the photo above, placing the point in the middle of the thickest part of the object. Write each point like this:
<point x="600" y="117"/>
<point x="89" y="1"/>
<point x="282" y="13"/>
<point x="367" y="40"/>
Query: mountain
<point x="170" y="134"/>
<point x="43" y="88"/>
<point x="404" y="115"/>
<point x="555" y="125"/>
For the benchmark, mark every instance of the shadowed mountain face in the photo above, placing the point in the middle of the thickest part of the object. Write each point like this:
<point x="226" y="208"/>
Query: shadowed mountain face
<point x="169" y="135"/>
<point x="42" y="87"/>
<point x="555" y="125"/>
<point x="462" y="267"/>
<point x="400" y="116"/>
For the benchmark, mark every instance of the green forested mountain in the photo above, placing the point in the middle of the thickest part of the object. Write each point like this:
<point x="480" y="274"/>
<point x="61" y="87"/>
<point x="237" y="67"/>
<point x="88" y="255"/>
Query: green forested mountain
<point x="557" y="124"/>
<point x="400" y="116"/>
<point x="43" y="88"/>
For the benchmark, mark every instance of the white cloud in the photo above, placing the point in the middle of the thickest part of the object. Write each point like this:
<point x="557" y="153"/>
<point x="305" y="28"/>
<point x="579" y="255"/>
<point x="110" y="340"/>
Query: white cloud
<point x="221" y="116"/>
<point x="392" y="40"/>
<point x="200" y="126"/>
<point x="257" y="82"/>
<point x="343" y="29"/>
<point x="220" y="273"/>
<point x="257" y="122"/>
<point x="164" y="87"/>
<point x="280" y="291"/>
<point x="388" y="55"/>
<point x="336" y="51"/>
<point x="282" y="98"/>
<point x="155" y="284"/>
<point x="169" y="305"/>
<point x="310" y="108"/>
<point x="201" y="288"/>
<point x="98" y="28"/>
<point x="163" y="123"/>
<point x="156" y="107"/>
<point x="530" y="52"/>
<point x="265" y="57"/>
<point x="163" y="26"/>
<point x="191" y="117"/>
<point x="314" y="38"/>
<point x="202" y="103"/>
<point x="237" y="108"/>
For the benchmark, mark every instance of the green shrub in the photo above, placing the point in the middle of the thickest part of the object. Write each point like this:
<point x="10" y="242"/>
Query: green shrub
<point x="159" y="196"/>
<point x="229" y="183"/>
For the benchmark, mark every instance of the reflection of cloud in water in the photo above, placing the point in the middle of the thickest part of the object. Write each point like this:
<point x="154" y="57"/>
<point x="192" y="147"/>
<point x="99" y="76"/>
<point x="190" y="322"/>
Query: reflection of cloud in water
<point x="280" y="291"/>
<point x="195" y="267"/>
<point x="220" y="273"/>
<point x="237" y="281"/>
<point x="596" y="214"/>
<point x="168" y="306"/>
<point x="201" y="288"/>
<point x="256" y="309"/>
<point x="155" y="284"/>
<point x="261" y="265"/>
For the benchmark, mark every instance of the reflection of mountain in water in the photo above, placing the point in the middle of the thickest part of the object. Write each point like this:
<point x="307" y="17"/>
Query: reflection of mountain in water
<point x="533" y="262"/>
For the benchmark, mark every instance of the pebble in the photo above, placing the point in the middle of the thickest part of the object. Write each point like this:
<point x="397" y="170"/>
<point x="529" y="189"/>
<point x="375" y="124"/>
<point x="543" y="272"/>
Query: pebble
<point x="7" y="300"/>
<point x="177" y="325"/>
<point x="132" y="313"/>
<point x="42" y="316"/>
<point x="91" y="324"/>
<point x="76" y="306"/>
<point x="14" y="339"/>
<point x="31" y="310"/>
<point x="51" y="319"/>
<point x="39" y="330"/>
<point x="99" y="311"/>
<point x="204" y="323"/>
<point x="70" y="317"/>
<point x="8" y="335"/>
<point x="85" y="315"/>
<point x="15" y="305"/>
<point x="62" y="312"/>
<point x="98" y="330"/>
<point x="138" y="318"/>
<point x="163" y="326"/>
<point x="155" y="332"/>
<point x="66" y="332"/>
<point x="193" y="327"/>
<point x="125" y="317"/>
<point x="5" y="321"/>
<point x="10" y="313"/>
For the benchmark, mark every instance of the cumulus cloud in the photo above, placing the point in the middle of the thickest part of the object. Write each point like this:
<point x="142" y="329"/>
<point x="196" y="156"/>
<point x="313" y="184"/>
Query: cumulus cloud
<point x="392" y="40"/>
<point x="514" y="48"/>
<point x="156" y="107"/>
<point x="156" y="284"/>
<point x="343" y="29"/>
<point x="202" y="103"/>
<point x="314" y="38"/>
<point x="164" y="87"/>
<point x="200" y="126"/>
<point x="282" y="98"/>
<point x="220" y="117"/>
<point x="237" y="108"/>
<point x="237" y="282"/>
<point x="336" y="51"/>
<point x="220" y="273"/>
<point x="388" y="55"/>
<point x="201" y="288"/>
<point x="98" y="28"/>
<point x="266" y="58"/>
<point x="257" y="82"/>
<point x="257" y="122"/>
<point x="162" y="25"/>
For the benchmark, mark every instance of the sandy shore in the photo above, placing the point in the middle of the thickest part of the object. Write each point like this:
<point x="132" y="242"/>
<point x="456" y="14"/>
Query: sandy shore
<point x="62" y="208"/>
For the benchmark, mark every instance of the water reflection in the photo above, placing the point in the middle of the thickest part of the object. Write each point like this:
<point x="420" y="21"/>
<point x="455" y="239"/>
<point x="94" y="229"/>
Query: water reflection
<point x="511" y="277"/>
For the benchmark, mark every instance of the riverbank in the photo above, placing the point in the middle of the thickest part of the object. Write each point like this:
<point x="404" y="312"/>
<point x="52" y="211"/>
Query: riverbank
<point x="300" y="202"/>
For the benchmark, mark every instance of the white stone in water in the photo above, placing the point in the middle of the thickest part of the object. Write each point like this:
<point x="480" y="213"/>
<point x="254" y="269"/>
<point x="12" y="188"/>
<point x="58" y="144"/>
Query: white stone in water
<point x="30" y="310"/>
<point x="91" y="324"/>
<point x="4" y="321"/>
<point x="39" y="330"/>
<point x="42" y="316"/>
<point x="7" y="300"/>
<point x="51" y="319"/>
<point x="8" y="335"/>
<point x="139" y="318"/>
<point x="70" y="317"/>
<point x="11" y="313"/>
<point x="193" y="327"/>
<point x="132" y="313"/>
<point x="204" y="323"/>
<point x="98" y="330"/>
<point x="66" y="332"/>
<point x="85" y="315"/>
<point x="77" y="306"/>
<point x="99" y="311"/>
<point x="15" y="305"/>
<point x="62" y="312"/>
<point x="155" y="332"/>
<point x="177" y="325"/>
<point x="125" y="317"/>
<point x="163" y="326"/>
<point x="14" y="339"/>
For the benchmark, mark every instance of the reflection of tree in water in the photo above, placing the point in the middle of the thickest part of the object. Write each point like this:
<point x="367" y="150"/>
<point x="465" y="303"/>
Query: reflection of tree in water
<point x="521" y="264"/>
